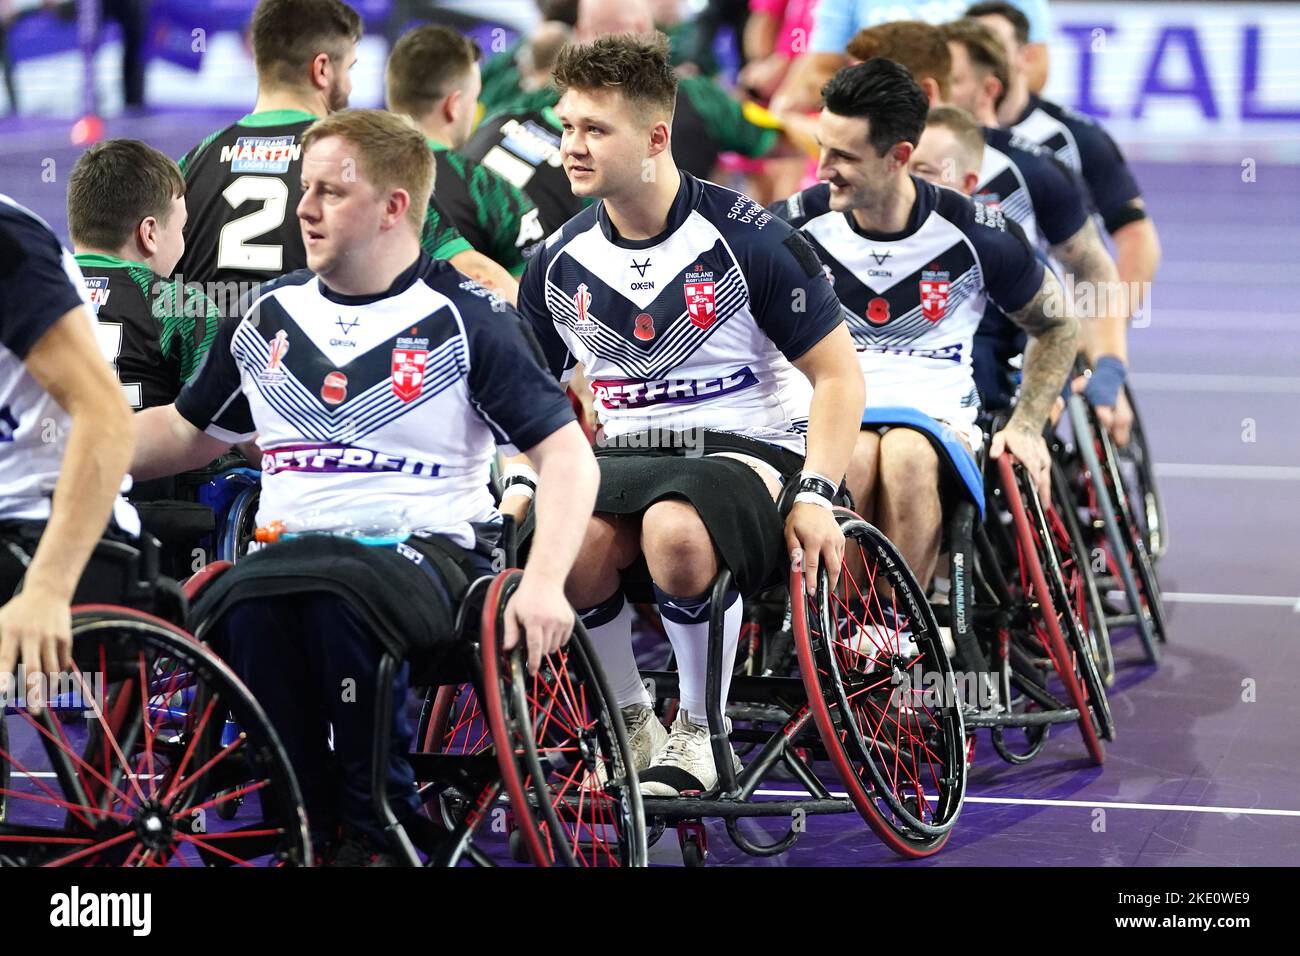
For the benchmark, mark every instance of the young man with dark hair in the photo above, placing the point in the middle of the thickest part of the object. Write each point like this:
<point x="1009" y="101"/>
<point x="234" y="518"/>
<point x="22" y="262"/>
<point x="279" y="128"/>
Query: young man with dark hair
<point x="126" y="216"/>
<point x="243" y="182"/>
<point x="380" y="383"/>
<point x="684" y="303"/>
<point x="433" y="77"/>
<point x="913" y="265"/>
<point x="58" y="483"/>
<point x="1083" y="145"/>
<point x="707" y="120"/>
<point x="1029" y="185"/>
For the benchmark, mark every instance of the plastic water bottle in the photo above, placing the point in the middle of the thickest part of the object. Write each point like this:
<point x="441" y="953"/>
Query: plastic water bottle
<point x="378" y="527"/>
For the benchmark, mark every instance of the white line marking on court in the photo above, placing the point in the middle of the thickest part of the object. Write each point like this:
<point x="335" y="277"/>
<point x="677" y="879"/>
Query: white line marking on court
<point x="1028" y="802"/>
<point x="1166" y="469"/>
<point x="1174" y="382"/>
<point x="1209" y="597"/>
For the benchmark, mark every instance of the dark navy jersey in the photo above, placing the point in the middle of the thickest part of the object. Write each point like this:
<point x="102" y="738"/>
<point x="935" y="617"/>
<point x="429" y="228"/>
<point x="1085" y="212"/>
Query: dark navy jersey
<point x="1048" y="201"/>
<point x="399" y="397"/>
<point x="913" y="299"/>
<point x="1086" y="148"/>
<point x="692" y="328"/>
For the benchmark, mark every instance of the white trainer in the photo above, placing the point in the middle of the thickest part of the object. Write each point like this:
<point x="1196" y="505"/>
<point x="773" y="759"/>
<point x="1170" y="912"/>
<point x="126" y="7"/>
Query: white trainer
<point x="686" y="763"/>
<point x="646" y="736"/>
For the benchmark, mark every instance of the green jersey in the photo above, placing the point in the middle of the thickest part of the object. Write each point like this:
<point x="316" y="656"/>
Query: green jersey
<point x="157" y="332"/>
<point x="242" y="189"/>
<point x="497" y="218"/>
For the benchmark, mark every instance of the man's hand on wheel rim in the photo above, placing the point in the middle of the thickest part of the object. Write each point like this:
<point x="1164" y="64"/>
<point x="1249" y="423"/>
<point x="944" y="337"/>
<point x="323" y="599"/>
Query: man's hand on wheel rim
<point x="540" y="611"/>
<point x="814" y="540"/>
<point x="1027" y="447"/>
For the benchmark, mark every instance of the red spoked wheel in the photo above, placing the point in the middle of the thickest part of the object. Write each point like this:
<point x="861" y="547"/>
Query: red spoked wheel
<point x="132" y="762"/>
<point x="883" y="693"/>
<point x="562" y="748"/>
<point x="1041" y="586"/>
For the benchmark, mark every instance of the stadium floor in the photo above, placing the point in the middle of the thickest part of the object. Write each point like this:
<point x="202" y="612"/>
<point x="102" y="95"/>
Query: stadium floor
<point x="1198" y="775"/>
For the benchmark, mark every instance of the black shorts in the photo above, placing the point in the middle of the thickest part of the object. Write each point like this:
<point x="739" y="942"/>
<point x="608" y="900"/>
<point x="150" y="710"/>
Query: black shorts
<point x="731" y="499"/>
<point x="406" y="595"/>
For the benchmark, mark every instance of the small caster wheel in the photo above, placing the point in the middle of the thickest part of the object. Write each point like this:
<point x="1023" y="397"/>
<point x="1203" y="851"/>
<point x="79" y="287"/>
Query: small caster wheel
<point x="227" y="809"/>
<point x="518" y="851"/>
<point x="694" y="842"/>
<point x="693" y="854"/>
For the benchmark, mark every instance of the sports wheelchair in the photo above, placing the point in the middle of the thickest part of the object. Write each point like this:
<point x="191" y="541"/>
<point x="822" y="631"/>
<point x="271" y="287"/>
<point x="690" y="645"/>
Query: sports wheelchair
<point x="1019" y="618"/>
<point x="173" y="735"/>
<point x="856" y="704"/>
<point x="1094" y="494"/>
<point x="132" y="753"/>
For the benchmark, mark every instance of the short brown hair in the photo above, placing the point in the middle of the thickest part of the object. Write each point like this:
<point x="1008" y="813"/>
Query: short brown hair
<point x="391" y="151"/>
<point x="968" y="133"/>
<point x="982" y="45"/>
<point x="116" y="184"/>
<point x="637" y="66"/>
<point x="917" y="47"/>
<point x="425" y="65"/>
<point x="288" y="34"/>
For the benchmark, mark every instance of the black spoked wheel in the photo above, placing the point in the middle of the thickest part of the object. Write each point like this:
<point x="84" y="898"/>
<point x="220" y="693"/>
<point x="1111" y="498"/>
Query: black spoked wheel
<point x="1053" y="632"/>
<point x="1080" y="574"/>
<point x="1139" y="472"/>
<point x="1133" y="540"/>
<point x="883" y="693"/>
<point x="134" y="760"/>
<point x="562" y="748"/>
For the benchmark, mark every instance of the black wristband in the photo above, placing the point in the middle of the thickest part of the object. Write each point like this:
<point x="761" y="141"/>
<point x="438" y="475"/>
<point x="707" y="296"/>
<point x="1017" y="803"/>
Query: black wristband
<point x="816" y="485"/>
<point x="509" y="480"/>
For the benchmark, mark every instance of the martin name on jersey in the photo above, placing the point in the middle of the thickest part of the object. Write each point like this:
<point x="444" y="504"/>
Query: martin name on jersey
<point x="913" y="299"/>
<point x="399" y="398"/>
<point x="692" y="328"/>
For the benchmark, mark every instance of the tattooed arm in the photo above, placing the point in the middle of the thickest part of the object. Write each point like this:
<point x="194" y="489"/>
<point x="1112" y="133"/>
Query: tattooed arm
<point x="1054" y="334"/>
<point x="1104" y="337"/>
<point x="1084" y="256"/>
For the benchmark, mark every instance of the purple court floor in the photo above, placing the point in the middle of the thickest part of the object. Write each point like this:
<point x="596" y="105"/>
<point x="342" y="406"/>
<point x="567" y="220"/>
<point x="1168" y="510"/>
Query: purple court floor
<point x="1206" y="768"/>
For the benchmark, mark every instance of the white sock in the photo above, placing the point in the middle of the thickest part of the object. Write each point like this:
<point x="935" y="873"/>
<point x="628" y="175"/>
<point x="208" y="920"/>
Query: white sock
<point x="609" y="625"/>
<point x="686" y="620"/>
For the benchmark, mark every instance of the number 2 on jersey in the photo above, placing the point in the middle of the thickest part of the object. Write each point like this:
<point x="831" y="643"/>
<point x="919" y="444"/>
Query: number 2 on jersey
<point x="234" y="251"/>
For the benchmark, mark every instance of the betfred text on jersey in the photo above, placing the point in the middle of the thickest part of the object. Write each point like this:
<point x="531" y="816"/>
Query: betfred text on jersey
<point x="343" y="458"/>
<point x="615" y="393"/>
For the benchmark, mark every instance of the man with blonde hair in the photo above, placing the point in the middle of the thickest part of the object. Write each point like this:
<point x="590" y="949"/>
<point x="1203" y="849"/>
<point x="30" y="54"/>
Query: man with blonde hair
<point x="380" y="383"/>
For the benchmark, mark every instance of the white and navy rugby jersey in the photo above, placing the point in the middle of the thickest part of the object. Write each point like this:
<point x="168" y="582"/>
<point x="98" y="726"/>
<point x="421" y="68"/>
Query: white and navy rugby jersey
<point x="39" y="284"/>
<point x="1083" y="146"/>
<point x="692" y="328"/>
<point x="385" y="403"/>
<point x="913" y="299"/>
<point x="1045" y="198"/>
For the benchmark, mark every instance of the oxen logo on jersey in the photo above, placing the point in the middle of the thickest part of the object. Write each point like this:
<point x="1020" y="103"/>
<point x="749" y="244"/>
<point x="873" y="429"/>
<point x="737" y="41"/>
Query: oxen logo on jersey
<point x="700" y="303"/>
<point x="645" y="327"/>
<point x="934" y="294"/>
<point x="97" y="289"/>
<point x="408" y="373"/>
<point x="334" y="391"/>
<point x="582" y="299"/>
